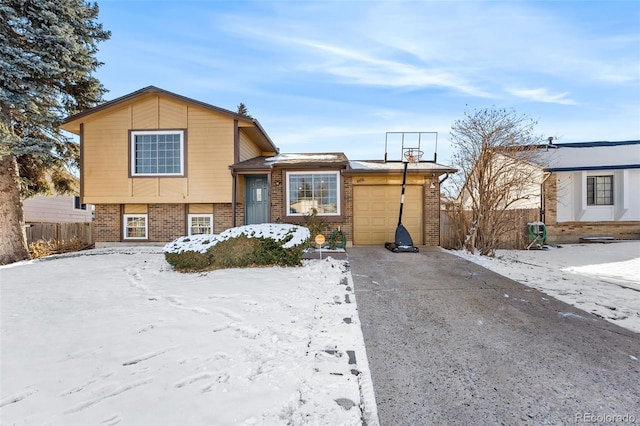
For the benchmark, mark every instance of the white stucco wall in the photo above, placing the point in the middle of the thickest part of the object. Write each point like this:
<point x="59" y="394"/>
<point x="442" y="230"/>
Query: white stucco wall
<point x="572" y="197"/>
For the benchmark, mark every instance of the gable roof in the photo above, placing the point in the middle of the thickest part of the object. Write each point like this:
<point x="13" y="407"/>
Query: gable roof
<point x="261" y="133"/>
<point x="588" y="156"/>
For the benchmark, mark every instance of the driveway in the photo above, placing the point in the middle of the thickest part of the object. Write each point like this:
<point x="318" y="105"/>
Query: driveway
<point x="450" y="342"/>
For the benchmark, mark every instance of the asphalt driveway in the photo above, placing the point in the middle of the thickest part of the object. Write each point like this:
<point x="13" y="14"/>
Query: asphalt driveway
<point x="450" y="342"/>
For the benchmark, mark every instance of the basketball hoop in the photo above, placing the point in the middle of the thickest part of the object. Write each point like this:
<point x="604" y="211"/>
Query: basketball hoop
<point x="413" y="155"/>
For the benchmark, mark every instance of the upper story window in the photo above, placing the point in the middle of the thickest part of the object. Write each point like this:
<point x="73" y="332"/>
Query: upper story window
<point x="313" y="190"/>
<point x="157" y="152"/>
<point x="600" y="190"/>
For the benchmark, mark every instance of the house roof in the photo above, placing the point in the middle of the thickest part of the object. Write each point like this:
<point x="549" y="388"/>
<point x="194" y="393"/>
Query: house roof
<point x="374" y="166"/>
<point x="588" y="156"/>
<point x="335" y="160"/>
<point x="72" y="123"/>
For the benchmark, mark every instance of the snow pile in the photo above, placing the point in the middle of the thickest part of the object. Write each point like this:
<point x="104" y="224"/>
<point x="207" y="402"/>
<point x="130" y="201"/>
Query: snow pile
<point x="115" y="336"/>
<point x="602" y="279"/>
<point x="293" y="235"/>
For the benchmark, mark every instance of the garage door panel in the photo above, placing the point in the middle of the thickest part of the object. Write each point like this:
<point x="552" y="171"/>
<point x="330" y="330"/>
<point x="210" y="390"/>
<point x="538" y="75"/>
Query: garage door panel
<point x="376" y="211"/>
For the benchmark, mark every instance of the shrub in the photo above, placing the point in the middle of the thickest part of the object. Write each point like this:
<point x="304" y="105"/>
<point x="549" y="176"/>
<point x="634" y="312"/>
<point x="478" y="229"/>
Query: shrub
<point x="189" y="261"/>
<point x="252" y="245"/>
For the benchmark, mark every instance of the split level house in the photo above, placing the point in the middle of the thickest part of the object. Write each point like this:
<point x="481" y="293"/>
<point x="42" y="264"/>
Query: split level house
<point x="158" y="165"/>
<point x="582" y="190"/>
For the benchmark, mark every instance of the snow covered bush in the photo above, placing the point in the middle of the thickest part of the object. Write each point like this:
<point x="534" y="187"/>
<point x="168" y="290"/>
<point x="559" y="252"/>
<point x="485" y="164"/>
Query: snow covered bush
<point x="251" y="245"/>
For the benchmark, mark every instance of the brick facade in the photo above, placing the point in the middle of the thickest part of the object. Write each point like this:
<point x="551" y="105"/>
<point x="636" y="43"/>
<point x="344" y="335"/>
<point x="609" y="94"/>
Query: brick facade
<point x="431" y="212"/>
<point x="279" y="212"/>
<point x="108" y="223"/>
<point x="166" y="222"/>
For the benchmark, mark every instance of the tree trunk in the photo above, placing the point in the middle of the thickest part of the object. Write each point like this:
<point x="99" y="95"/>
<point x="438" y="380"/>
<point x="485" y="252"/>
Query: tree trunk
<point x="13" y="239"/>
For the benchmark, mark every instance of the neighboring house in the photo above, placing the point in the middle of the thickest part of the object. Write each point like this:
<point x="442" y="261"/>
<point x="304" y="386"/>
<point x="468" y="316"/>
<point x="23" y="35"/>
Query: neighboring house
<point x="158" y="165"/>
<point x="589" y="189"/>
<point x="56" y="209"/>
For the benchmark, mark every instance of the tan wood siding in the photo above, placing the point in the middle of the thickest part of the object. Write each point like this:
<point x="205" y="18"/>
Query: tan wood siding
<point x="200" y="208"/>
<point x="173" y="188"/>
<point x="210" y="153"/>
<point x="136" y="208"/>
<point x="248" y="149"/>
<point x="375" y="213"/>
<point x="106" y="157"/>
<point x="173" y="114"/>
<point x="145" y="114"/>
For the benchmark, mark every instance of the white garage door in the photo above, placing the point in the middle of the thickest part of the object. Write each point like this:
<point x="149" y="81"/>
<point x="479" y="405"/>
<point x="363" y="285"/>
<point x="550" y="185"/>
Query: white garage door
<point x="375" y="213"/>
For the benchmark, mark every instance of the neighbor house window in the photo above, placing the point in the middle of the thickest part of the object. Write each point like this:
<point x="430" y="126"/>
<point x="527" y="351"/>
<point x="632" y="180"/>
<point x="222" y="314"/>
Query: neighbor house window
<point x="600" y="190"/>
<point x="77" y="204"/>
<point x="135" y="226"/>
<point x="313" y="190"/>
<point x="200" y="224"/>
<point x="157" y="152"/>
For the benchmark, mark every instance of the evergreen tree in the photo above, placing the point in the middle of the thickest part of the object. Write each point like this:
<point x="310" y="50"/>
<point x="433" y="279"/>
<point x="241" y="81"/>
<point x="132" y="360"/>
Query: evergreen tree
<point x="242" y="110"/>
<point x="47" y="56"/>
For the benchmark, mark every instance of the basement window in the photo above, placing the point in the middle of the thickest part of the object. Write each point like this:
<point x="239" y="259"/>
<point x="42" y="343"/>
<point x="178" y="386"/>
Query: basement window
<point x="135" y="226"/>
<point x="200" y="224"/>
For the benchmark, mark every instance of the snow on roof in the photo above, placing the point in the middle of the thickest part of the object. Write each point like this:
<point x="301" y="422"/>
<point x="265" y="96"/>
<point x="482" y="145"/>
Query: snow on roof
<point x="309" y="157"/>
<point x="589" y="156"/>
<point x="396" y="165"/>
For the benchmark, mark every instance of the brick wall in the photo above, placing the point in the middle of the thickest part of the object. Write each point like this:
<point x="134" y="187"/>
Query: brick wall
<point x="108" y="223"/>
<point x="166" y="222"/>
<point x="222" y="214"/>
<point x="431" y="212"/>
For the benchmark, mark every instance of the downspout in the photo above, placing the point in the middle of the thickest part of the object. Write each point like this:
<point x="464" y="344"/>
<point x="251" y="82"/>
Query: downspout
<point x="234" y="187"/>
<point x="446" y="176"/>
<point x="542" y="203"/>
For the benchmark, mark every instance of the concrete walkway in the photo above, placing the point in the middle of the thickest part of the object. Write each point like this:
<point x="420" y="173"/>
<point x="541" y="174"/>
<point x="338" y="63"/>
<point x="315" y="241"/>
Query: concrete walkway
<point x="450" y="342"/>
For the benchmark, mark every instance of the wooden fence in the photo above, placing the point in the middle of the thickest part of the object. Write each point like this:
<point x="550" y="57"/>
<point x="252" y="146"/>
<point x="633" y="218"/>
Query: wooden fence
<point x="515" y="238"/>
<point x="60" y="233"/>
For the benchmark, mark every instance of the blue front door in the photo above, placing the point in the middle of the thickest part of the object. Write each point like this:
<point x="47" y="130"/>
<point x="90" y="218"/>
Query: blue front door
<point x="256" y="200"/>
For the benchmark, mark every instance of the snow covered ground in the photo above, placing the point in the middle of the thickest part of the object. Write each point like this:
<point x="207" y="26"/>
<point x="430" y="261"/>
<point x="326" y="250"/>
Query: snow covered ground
<point x="114" y="336"/>
<point x="603" y="279"/>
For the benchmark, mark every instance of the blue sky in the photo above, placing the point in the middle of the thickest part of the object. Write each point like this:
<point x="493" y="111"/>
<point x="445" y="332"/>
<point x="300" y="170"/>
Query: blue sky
<point x="327" y="76"/>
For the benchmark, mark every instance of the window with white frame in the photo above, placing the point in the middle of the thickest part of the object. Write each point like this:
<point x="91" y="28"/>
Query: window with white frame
<point x="157" y="152"/>
<point x="200" y="224"/>
<point x="600" y="190"/>
<point x="135" y="226"/>
<point x="307" y="191"/>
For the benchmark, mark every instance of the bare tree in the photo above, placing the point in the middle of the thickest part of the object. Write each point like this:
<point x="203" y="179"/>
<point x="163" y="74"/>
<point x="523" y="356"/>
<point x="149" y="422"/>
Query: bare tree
<point x="494" y="150"/>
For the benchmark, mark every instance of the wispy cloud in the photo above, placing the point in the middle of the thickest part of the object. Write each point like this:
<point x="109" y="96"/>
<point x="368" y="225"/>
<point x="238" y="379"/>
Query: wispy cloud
<point x="543" y="95"/>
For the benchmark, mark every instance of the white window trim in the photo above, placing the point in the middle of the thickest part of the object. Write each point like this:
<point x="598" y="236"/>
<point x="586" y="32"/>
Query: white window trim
<point x="323" y="172"/>
<point x="586" y="192"/>
<point x="146" y="226"/>
<point x="194" y="215"/>
<point x="132" y="150"/>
